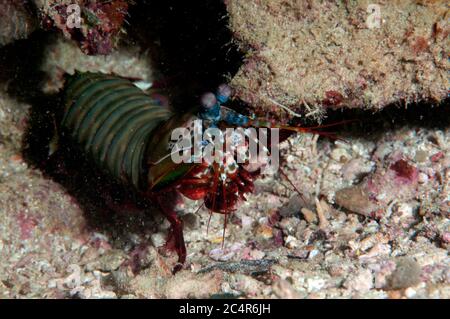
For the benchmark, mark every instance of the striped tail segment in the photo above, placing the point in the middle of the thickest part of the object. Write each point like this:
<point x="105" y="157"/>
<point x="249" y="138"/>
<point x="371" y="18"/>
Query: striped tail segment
<point x="113" y="121"/>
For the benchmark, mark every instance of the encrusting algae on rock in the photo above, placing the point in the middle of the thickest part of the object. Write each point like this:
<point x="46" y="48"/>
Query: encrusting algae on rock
<point x="310" y="56"/>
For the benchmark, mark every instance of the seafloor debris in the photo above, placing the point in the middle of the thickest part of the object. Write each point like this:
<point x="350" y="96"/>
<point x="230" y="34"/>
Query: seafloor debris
<point x="406" y="274"/>
<point x="243" y="266"/>
<point x="312" y="55"/>
<point x="371" y="197"/>
<point x="57" y="244"/>
<point x="53" y="245"/>
<point x="95" y="25"/>
<point x="17" y="21"/>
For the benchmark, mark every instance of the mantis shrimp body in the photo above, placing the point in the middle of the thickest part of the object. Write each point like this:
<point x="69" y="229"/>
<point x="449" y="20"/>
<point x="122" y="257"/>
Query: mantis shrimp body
<point x="112" y="120"/>
<point x="127" y="134"/>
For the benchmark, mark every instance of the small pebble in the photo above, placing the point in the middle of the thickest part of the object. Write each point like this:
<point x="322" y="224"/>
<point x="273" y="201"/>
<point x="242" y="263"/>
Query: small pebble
<point x="292" y="242"/>
<point x="158" y="239"/>
<point x="362" y="281"/>
<point x="446" y="237"/>
<point x="313" y="253"/>
<point x="309" y="215"/>
<point x="422" y="178"/>
<point x="264" y="231"/>
<point x="406" y="274"/>
<point x="405" y="210"/>
<point x="257" y="254"/>
<point x="340" y="155"/>
<point x="246" y="222"/>
<point x="421" y="156"/>
<point x="315" y="284"/>
<point x="410" y="292"/>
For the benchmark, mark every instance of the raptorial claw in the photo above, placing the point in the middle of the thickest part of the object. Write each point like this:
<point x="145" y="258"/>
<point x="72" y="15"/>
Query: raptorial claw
<point x="175" y="240"/>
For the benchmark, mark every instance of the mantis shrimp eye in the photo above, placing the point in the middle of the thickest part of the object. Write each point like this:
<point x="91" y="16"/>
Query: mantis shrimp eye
<point x="223" y="93"/>
<point x="208" y="100"/>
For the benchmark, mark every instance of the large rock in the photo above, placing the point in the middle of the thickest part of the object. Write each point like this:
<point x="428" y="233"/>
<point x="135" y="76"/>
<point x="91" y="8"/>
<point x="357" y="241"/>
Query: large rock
<point x="309" y="55"/>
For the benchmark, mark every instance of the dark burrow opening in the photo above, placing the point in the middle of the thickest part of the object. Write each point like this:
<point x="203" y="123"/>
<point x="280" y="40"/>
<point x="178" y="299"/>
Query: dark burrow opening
<point x="190" y="43"/>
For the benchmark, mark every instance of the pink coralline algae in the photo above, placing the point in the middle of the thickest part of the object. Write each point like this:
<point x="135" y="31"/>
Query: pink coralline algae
<point x="333" y="98"/>
<point x="95" y="28"/>
<point x="26" y="225"/>
<point x="436" y="157"/>
<point x="406" y="173"/>
<point x="371" y="197"/>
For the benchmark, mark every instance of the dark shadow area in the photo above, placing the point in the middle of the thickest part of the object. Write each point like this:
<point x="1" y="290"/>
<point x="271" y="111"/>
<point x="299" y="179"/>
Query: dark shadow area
<point x="22" y="78"/>
<point x="191" y="45"/>
<point x="20" y="67"/>
<point x="375" y="124"/>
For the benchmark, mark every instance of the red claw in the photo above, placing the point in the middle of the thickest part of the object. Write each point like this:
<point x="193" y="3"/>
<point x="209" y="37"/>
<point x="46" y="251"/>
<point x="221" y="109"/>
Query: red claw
<point x="175" y="240"/>
<point x="194" y="193"/>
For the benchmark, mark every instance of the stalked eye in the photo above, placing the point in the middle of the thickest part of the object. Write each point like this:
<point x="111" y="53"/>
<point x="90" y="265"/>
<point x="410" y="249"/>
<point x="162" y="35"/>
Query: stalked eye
<point x="208" y="100"/>
<point x="223" y="93"/>
<point x="232" y="168"/>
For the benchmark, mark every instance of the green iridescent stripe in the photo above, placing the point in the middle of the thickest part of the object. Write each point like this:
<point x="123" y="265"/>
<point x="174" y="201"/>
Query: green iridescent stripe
<point x="113" y="121"/>
<point x="107" y="119"/>
<point x="101" y="109"/>
<point x="140" y="142"/>
<point x="99" y="98"/>
<point x="106" y="132"/>
<point x="123" y="131"/>
<point x="76" y="85"/>
<point x="91" y="92"/>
